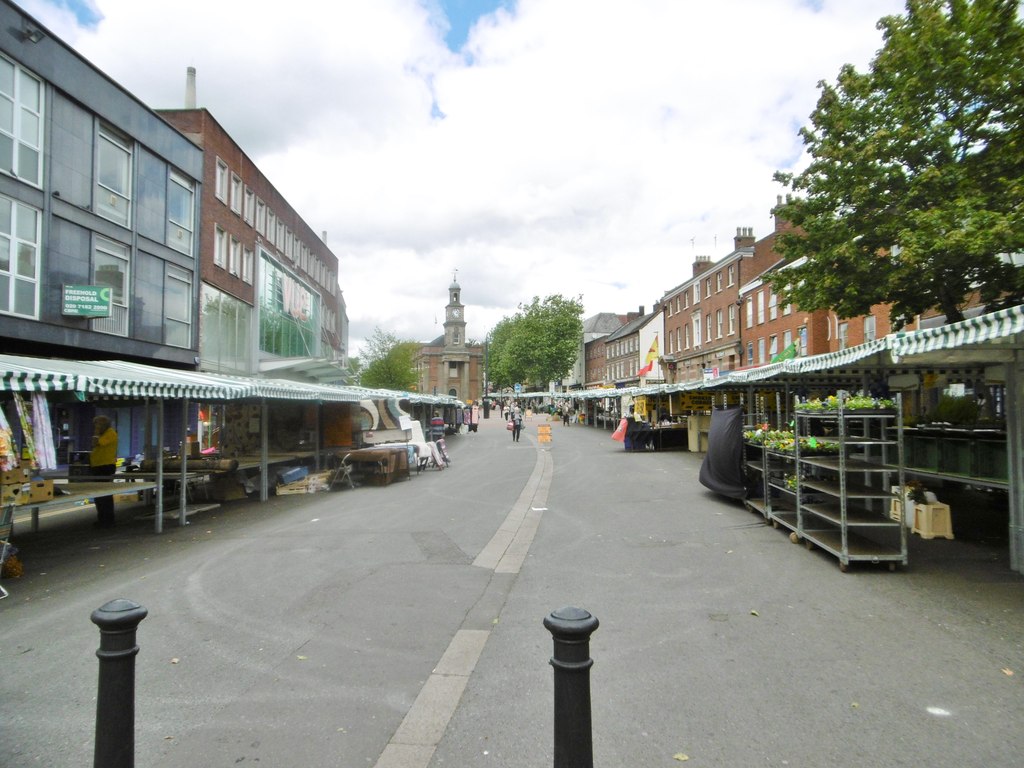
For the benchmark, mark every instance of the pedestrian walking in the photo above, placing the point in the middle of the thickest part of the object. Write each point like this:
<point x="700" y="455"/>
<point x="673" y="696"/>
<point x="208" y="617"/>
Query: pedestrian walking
<point x="103" y="465"/>
<point x="517" y="423"/>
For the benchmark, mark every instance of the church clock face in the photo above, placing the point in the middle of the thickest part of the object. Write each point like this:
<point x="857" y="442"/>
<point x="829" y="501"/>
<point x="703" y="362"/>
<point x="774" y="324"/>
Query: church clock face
<point x="456" y="313"/>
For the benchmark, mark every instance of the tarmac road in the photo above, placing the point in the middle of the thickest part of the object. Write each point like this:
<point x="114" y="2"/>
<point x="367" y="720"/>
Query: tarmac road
<point x="401" y="627"/>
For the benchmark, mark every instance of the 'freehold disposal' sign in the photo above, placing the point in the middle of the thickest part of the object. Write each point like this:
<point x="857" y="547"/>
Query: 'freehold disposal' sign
<point x="86" y="301"/>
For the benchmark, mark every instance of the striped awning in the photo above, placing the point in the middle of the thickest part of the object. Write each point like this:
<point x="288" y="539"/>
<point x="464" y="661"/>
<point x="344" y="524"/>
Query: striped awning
<point x="840" y="359"/>
<point x="993" y="327"/>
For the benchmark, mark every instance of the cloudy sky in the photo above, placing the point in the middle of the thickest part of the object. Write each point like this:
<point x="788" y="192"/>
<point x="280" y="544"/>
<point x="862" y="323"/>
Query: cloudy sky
<point x="580" y="147"/>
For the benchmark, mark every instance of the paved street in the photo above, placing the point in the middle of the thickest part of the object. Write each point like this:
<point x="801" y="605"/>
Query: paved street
<point x="400" y="627"/>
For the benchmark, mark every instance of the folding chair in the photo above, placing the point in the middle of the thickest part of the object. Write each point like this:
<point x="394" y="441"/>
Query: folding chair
<point x="342" y="474"/>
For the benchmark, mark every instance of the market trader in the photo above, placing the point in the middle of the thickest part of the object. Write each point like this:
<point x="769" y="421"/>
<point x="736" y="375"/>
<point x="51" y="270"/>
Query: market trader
<point x="103" y="464"/>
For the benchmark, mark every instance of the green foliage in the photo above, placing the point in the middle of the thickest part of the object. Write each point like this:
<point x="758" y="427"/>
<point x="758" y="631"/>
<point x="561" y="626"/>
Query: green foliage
<point x="388" y="362"/>
<point x="956" y="410"/>
<point x="924" y="151"/>
<point x="538" y="344"/>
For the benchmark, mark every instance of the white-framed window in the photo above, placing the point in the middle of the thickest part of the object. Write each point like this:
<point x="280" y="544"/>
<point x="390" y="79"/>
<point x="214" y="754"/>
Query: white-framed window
<point x="180" y="212"/>
<point x="112" y="191"/>
<point x="271" y="225"/>
<point x="249" y="206"/>
<point x="869" y="328"/>
<point x="235" y="258"/>
<point x="222" y="181"/>
<point x="668" y="309"/>
<point x="844" y="335"/>
<point x="773" y="346"/>
<point x="773" y="306"/>
<point x="178" y="308"/>
<point x="686" y="300"/>
<point x="760" y="307"/>
<point x="801" y="333"/>
<point x="718" y="281"/>
<point x="248" y="259"/>
<point x="19" y="259"/>
<point x="21" y="122"/>
<point x="686" y="337"/>
<point x="110" y="269"/>
<point x="261" y="216"/>
<point x="696" y="329"/>
<point x="787" y="339"/>
<point x="760" y="351"/>
<point x="732" y="319"/>
<point x="707" y="327"/>
<point x="696" y="292"/>
<point x="750" y="353"/>
<point x="718" y="324"/>
<point x="236" y="193"/>
<point x="220" y="247"/>
<point x="732" y="274"/>
<point x="707" y="287"/>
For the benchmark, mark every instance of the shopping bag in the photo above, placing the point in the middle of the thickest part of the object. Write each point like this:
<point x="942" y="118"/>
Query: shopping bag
<point x="620" y="431"/>
<point x="510" y="426"/>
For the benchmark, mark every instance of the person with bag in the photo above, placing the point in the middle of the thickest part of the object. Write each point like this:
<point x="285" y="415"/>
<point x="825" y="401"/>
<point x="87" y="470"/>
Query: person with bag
<point x="516" y="422"/>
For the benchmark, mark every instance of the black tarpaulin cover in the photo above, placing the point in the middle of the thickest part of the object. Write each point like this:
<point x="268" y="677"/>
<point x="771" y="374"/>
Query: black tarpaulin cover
<point x="722" y="469"/>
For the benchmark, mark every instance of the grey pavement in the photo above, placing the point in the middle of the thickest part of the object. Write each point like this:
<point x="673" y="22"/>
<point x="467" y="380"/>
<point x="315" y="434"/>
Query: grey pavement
<point x="401" y="627"/>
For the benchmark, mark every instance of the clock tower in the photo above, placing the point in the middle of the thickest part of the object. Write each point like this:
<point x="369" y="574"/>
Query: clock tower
<point x="454" y="317"/>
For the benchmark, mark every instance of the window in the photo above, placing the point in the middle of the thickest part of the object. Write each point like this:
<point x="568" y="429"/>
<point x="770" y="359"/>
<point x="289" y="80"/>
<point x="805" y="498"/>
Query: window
<point x="261" y="216"/>
<point x="773" y="306"/>
<point x="221" y="181"/>
<point x="236" y="193"/>
<point x="248" y="259"/>
<point x="760" y="351"/>
<point x="249" y="207"/>
<point x="453" y="370"/>
<point x="686" y="337"/>
<point x="732" y="275"/>
<point x="707" y="288"/>
<point x="773" y="345"/>
<point x="180" y="210"/>
<point x="112" y="191"/>
<point x="787" y="340"/>
<point x="110" y="269"/>
<point x="696" y="329"/>
<point x="844" y="335"/>
<point x="19" y="258"/>
<point x="669" y="309"/>
<point x="732" y="319"/>
<point x="225" y="332"/>
<point x="869" y="328"/>
<point x="220" y="247"/>
<point x="750" y="353"/>
<point x="696" y="292"/>
<point x="718" y="324"/>
<point x="750" y="311"/>
<point x="677" y="305"/>
<point x="178" y="308"/>
<point x="802" y="334"/>
<point x="21" y="122"/>
<point x="271" y="225"/>
<point x="787" y="310"/>
<point x="707" y="327"/>
<point x="235" y="258"/>
<point x="718" y="282"/>
<point x="760" y="307"/>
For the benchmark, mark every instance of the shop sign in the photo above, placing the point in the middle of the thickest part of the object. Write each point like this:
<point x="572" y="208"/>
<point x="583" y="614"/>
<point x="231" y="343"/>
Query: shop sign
<point x="86" y="301"/>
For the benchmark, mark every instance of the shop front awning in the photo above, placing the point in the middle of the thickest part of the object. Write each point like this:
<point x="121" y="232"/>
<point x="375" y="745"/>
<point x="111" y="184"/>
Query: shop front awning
<point x="995" y="331"/>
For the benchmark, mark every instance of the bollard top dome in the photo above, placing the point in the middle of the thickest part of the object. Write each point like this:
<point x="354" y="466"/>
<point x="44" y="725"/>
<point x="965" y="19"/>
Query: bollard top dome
<point x="119" y="613"/>
<point x="571" y="621"/>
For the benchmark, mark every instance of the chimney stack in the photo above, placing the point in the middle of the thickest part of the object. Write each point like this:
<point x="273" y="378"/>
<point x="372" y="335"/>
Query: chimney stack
<point x="744" y="237"/>
<point x="700" y="264"/>
<point x="190" y="88"/>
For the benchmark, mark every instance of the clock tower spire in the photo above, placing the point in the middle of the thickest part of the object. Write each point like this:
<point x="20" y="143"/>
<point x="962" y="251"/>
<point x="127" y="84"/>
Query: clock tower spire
<point x="454" y="316"/>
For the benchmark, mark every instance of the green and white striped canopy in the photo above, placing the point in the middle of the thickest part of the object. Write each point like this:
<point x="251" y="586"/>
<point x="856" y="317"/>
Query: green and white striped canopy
<point x="993" y="327"/>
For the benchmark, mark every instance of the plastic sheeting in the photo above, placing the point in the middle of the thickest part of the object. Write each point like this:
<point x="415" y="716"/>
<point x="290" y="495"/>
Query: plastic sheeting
<point x="722" y="468"/>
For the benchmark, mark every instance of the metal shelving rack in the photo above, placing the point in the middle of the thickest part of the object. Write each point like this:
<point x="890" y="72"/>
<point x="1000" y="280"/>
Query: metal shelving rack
<point x="843" y="501"/>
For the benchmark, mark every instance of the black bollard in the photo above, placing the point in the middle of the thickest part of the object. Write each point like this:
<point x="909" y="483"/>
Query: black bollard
<point x="115" y="698"/>
<point x="571" y="629"/>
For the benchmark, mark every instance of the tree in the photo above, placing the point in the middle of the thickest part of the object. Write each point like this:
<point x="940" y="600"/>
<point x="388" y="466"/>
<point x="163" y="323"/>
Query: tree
<point x="388" y="362"/>
<point x="538" y="344"/>
<point x="925" y="152"/>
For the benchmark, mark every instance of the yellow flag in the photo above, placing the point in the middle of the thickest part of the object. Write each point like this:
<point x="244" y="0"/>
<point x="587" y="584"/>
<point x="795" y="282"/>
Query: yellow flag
<point x="653" y="354"/>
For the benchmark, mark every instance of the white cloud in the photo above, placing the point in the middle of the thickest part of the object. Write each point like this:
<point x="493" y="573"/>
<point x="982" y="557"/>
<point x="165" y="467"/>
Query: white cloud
<point x="587" y="147"/>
